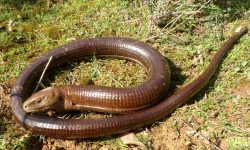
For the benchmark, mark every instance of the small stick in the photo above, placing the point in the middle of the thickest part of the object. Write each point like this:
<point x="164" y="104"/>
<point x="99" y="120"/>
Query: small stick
<point x="46" y="67"/>
<point x="48" y="4"/>
<point x="204" y="138"/>
<point x="1" y="95"/>
<point x="1" y="102"/>
<point x="165" y="30"/>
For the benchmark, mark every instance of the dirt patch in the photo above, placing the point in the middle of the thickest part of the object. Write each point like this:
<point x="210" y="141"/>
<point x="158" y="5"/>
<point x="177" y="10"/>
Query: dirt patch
<point x="174" y="134"/>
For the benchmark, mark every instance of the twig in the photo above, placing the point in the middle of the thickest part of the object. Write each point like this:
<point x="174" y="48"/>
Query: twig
<point x="1" y="100"/>
<point x="172" y="22"/>
<point x="48" y="4"/>
<point x="164" y="30"/>
<point x="46" y="67"/>
<point x="1" y="95"/>
<point x="190" y="16"/>
<point x="238" y="129"/>
<point x="203" y="137"/>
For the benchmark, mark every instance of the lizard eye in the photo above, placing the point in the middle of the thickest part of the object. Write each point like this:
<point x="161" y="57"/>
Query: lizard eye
<point x="39" y="101"/>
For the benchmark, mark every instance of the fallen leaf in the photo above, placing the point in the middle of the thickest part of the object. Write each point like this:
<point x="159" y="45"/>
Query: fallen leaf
<point x="131" y="139"/>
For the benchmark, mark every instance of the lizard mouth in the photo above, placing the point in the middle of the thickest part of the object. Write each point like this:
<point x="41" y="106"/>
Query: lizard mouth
<point x="34" y="110"/>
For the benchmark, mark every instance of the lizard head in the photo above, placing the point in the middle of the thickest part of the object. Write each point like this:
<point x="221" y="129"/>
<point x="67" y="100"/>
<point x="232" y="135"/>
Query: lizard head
<point x="43" y="101"/>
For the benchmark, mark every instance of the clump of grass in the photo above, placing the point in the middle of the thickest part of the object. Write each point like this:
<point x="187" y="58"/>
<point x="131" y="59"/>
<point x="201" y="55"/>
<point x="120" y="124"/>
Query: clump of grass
<point x="105" y="72"/>
<point x="238" y="143"/>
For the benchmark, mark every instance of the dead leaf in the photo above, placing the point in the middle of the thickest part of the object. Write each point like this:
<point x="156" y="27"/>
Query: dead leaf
<point x="131" y="139"/>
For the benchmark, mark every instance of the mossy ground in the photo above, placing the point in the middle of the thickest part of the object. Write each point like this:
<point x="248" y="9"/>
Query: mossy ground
<point x="188" y="33"/>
